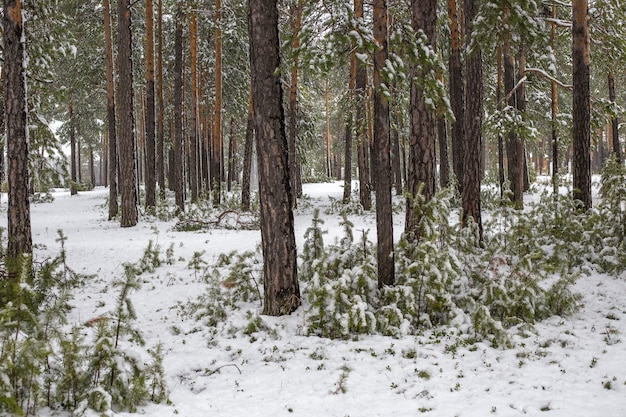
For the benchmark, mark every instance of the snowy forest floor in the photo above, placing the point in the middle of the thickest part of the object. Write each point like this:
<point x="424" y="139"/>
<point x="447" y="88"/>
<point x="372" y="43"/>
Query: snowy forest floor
<point x="573" y="366"/>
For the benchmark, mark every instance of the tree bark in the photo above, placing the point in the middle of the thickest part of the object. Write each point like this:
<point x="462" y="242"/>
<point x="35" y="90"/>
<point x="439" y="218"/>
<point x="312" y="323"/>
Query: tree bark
<point x="73" y="177"/>
<point x="150" y="122"/>
<point x="2" y="124"/>
<point x="362" y="137"/>
<point x="111" y="116"/>
<point x="396" y="156"/>
<point x="384" y="215"/>
<point x="473" y="124"/>
<point x="456" y="94"/>
<point x="232" y="155"/>
<point x="421" y="164"/>
<point x="217" y="148"/>
<point x="127" y="155"/>
<point x="160" y="146"/>
<point x="499" y="107"/>
<point x="193" y="134"/>
<point x="177" y="166"/>
<point x="19" y="244"/>
<point x="614" y="122"/>
<point x="294" y="168"/>
<point x="581" y="162"/>
<point x="247" y="157"/>
<point x="282" y="292"/>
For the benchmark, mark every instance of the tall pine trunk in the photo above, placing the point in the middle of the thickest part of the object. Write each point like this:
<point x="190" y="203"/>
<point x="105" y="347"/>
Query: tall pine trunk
<point x="217" y="146"/>
<point x="581" y="143"/>
<point x="127" y="155"/>
<point x="615" y="146"/>
<point x="294" y="168"/>
<point x="247" y="157"/>
<point x="282" y="292"/>
<point x="73" y="177"/>
<point x="421" y="163"/>
<point x="456" y="94"/>
<point x="111" y="115"/>
<point x="362" y="137"/>
<point x="473" y="123"/>
<point x="177" y="166"/>
<point x="193" y="111"/>
<point x="160" y="146"/>
<point x="384" y="215"/>
<point x="150" y="122"/>
<point x="19" y="244"/>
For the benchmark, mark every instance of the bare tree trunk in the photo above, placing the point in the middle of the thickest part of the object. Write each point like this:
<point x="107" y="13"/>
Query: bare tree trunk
<point x="282" y="292"/>
<point x="127" y="155"/>
<point x="384" y="215"/>
<point x="421" y="164"/>
<point x="362" y="137"/>
<point x="614" y="122"/>
<point x="2" y="125"/>
<point x="193" y="135"/>
<point x="150" y="122"/>
<point x="19" y="244"/>
<point x="456" y="94"/>
<point x="177" y="165"/>
<point x="247" y="157"/>
<point x="216" y="159"/>
<point x="232" y="156"/>
<point x="73" y="178"/>
<point x="581" y="163"/>
<point x="294" y="168"/>
<point x="499" y="107"/>
<point x="473" y="124"/>
<point x="111" y="115"/>
<point x="160" y="146"/>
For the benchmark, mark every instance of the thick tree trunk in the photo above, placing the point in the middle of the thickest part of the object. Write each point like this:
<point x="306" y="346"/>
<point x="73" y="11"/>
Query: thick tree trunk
<point x="150" y="122"/>
<point x="177" y="165"/>
<point x="127" y="155"/>
<point x="581" y="163"/>
<point x="473" y="124"/>
<point x="19" y="244"/>
<point x="421" y="164"/>
<point x="456" y="94"/>
<point x="111" y="116"/>
<point x="160" y="146"/>
<point x="282" y="292"/>
<point x="384" y="215"/>
<point x="247" y="157"/>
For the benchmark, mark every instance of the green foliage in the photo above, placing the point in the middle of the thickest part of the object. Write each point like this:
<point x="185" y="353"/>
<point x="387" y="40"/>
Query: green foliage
<point x="42" y="363"/>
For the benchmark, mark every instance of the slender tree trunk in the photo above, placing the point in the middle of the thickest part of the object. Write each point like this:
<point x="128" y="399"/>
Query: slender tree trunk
<point x="193" y="111"/>
<point x="456" y="94"/>
<point x="104" y="165"/>
<point x="150" y="122"/>
<point x="347" y="179"/>
<point x="614" y="122"/>
<point x="128" y="156"/>
<point x="515" y="167"/>
<point x="177" y="165"/>
<point x="444" y="164"/>
<point x="294" y="168"/>
<point x="396" y="160"/>
<point x="327" y="134"/>
<point x="111" y="115"/>
<point x="73" y="178"/>
<point x="581" y="163"/>
<point x="247" y="157"/>
<point x="499" y="106"/>
<point x="232" y="155"/>
<point x="216" y="164"/>
<point x="473" y="124"/>
<point x="160" y="146"/>
<point x="19" y="244"/>
<point x="2" y="125"/>
<point x="384" y="215"/>
<point x="92" y="167"/>
<point x="282" y="292"/>
<point x="422" y="138"/>
<point x="362" y="137"/>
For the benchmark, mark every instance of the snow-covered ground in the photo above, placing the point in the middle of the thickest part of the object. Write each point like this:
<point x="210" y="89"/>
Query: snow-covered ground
<point x="573" y="366"/>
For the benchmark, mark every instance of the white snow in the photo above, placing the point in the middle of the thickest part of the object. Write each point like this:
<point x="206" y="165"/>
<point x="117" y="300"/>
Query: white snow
<point x="561" y="371"/>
